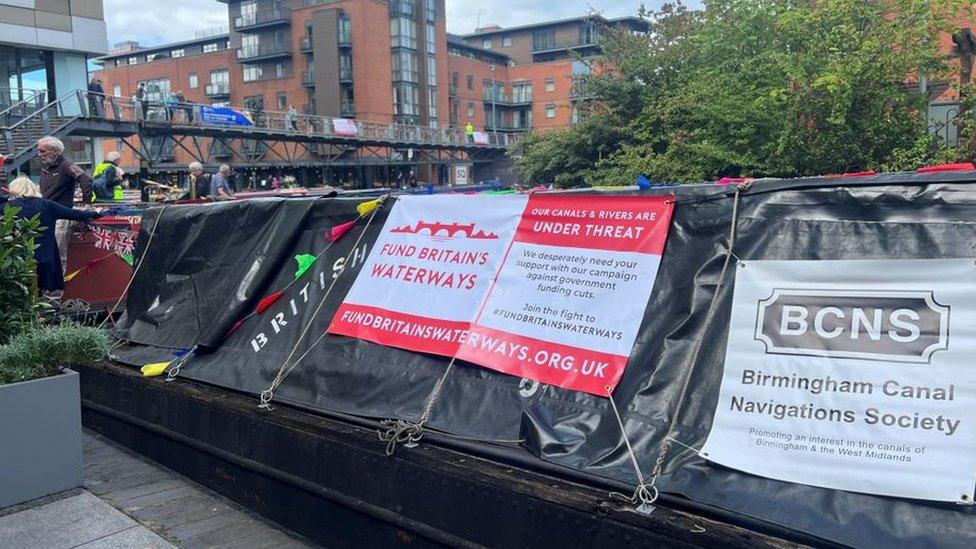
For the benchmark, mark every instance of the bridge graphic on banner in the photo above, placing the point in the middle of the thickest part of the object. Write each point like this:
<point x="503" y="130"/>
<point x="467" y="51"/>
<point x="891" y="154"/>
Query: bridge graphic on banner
<point x="451" y="230"/>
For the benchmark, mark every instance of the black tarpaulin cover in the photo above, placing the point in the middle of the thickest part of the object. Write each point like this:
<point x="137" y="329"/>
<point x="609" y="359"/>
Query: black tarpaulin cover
<point x="209" y="266"/>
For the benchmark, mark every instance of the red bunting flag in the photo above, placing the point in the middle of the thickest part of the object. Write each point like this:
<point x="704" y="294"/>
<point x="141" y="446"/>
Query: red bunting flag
<point x="234" y="327"/>
<point x="268" y="301"/>
<point x="340" y="230"/>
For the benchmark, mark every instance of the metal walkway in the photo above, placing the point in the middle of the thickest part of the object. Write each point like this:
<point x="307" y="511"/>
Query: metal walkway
<point x="161" y="129"/>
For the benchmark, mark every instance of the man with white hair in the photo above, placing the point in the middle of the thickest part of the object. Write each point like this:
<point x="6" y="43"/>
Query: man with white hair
<point x="59" y="177"/>
<point x="107" y="176"/>
<point x="199" y="181"/>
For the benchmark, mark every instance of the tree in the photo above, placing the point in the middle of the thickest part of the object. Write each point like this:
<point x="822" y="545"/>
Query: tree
<point x="760" y="88"/>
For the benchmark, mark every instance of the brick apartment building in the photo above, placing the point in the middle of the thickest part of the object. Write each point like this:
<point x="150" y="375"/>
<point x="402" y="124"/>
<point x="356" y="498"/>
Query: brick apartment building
<point x="372" y="60"/>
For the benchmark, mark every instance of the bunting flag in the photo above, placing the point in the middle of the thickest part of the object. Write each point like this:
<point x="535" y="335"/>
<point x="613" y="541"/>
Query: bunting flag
<point x="305" y="262"/>
<point x="269" y="300"/>
<point x="235" y="326"/>
<point x="154" y="369"/>
<point x="339" y="230"/>
<point x="128" y="259"/>
<point x="68" y="277"/>
<point x="369" y="206"/>
<point x="643" y="183"/>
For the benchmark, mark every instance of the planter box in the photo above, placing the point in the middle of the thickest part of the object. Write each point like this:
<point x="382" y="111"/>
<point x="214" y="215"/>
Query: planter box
<point x="40" y="438"/>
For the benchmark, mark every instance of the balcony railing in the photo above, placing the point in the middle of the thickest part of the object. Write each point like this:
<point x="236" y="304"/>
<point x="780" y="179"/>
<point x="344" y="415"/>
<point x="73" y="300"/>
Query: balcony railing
<point x="266" y="18"/>
<point x="345" y="39"/>
<point x="308" y="78"/>
<point x="263" y="51"/>
<point x="218" y="89"/>
<point x="502" y="98"/>
<point x="345" y="74"/>
<point x="546" y="45"/>
<point x="306" y="44"/>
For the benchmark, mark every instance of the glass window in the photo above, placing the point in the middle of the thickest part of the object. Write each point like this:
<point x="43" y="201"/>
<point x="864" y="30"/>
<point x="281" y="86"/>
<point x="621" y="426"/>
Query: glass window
<point x="405" y="101"/>
<point x="280" y="70"/>
<point x="133" y="60"/>
<point x="193" y="81"/>
<point x="220" y="77"/>
<point x="177" y="53"/>
<point x="486" y="43"/>
<point x="550" y="84"/>
<point x="345" y="29"/>
<point x="207" y="48"/>
<point x="157" y="89"/>
<point x="432" y="103"/>
<point x="587" y="33"/>
<point x="405" y="66"/>
<point x="431" y="70"/>
<point x="249" y="13"/>
<point x="431" y="38"/>
<point x="579" y="67"/>
<point x="470" y="82"/>
<point x="543" y="40"/>
<point x="550" y="111"/>
<point x="431" y="11"/>
<point x="117" y="90"/>
<point x="252" y="73"/>
<point x="470" y="110"/>
<point x="282" y="99"/>
<point x="403" y="33"/>
<point x="406" y="8"/>
<point x="507" y="42"/>
<point x="345" y="66"/>
<point x="522" y="93"/>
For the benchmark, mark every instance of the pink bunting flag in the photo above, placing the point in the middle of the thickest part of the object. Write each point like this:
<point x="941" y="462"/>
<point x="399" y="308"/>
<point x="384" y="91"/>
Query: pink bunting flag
<point x="234" y="327"/>
<point x="340" y="230"/>
<point x="268" y="301"/>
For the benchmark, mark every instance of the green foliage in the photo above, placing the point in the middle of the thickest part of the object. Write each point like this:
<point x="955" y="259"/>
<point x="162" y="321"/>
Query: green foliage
<point x="757" y="88"/>
<point x="18" y="271"/>
<point x="42" y="352"/>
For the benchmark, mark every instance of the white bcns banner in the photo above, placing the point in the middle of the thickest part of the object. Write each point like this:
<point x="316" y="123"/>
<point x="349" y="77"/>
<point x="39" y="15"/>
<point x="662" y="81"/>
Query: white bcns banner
<point x="852" y="375"/>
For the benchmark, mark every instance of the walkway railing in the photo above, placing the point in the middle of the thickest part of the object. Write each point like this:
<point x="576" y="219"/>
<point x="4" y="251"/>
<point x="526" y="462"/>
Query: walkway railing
<point x="125" y="109"/>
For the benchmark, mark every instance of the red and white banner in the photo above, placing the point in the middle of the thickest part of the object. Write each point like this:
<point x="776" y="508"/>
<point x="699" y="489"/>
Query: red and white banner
<point x="345" y="126"/>
<point x="570" y="296"/>
<point x="550" y="287"/>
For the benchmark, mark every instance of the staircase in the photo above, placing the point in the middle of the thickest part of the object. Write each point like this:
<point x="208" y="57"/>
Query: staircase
<point x="22" y="126"/>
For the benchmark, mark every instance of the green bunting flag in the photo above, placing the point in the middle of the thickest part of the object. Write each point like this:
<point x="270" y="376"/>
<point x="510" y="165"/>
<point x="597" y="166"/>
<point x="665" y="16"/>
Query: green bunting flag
<point x="305" y="262"/>
<point x="128" y="259"/>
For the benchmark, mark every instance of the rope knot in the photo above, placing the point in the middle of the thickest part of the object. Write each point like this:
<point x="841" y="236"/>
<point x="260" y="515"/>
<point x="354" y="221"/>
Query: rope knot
<point x="266" y="396"/>
<point x="400" y="431"/>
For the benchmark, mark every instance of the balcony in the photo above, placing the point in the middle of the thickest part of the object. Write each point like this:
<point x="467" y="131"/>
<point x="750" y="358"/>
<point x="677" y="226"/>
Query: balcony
<point x="262" y="19"/>
<point x="502" y="98"/>
<point x="218" y="90"/>
<point x="306" y="46"/>
<point x="308" y="79"/>
<point x="263" y="52"/>
<point x="345" y="40"/>
<point x="544" y="46"/>
<point x="345" y="75"/>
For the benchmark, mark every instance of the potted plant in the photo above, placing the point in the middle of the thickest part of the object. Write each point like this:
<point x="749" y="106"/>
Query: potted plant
<point x="40" y="402"/>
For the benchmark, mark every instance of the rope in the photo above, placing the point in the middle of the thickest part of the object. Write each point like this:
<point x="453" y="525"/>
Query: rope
<point x="709" y="316"/>
<point x="646" y="493"/>
<point x="174" y="371"/>
<point x="135" y="271"/>
<point x="288" y="365"/>
<point x="409" y="433"/>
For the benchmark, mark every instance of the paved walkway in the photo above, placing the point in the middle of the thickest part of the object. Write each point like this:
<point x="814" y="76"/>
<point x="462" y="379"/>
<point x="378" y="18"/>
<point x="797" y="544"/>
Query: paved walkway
<point x="128" y="502"/>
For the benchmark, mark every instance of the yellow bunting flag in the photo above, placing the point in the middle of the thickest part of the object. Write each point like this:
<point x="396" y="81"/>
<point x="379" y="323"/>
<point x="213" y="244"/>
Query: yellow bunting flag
<point x="154" y="369"/>
<point x="369" y="206"/>
<point x="69" y="276"/>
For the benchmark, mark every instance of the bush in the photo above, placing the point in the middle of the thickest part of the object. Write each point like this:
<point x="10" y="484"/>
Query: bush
<point x="43" y="352"/>
<point x="18" y="272"/>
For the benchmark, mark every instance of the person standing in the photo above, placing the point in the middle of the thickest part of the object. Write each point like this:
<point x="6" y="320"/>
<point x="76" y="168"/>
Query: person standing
<point x="292" y="118"/>
<point x="199" y="181"/>
<point x="59" y="177"/>
<point x="469" y="130"/>
<point x="141" y="100"/>
<point x="171" y="104"/>
<point x="220" y="184"/>
<point x="50" y="272"/>
<point x="184" y="106"/>
<point x="96" y="98"/>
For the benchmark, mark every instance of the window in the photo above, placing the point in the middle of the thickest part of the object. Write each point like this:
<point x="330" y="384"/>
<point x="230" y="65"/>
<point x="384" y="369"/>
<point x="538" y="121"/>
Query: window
<point x="118" y="62"/>
<point x="470" y="82"/>
<point x="345" y="66"/>
<point x="543" y="40"/>
<point x="507" y="42"/>
<point x="403" y="33"/>
<point x="405" y="103"/>
<point x="193" y="81"/>
<point x="587" y="33"/>
<point x="405" y="66"/>
<point x="522" y="92"/>
<point x="280" y="70"/>
<point x="249" y="13"/>
<point x="220" y="77"/>
<point x="345" y="29"/>
<point x="486" y="44"/>
<point x="406" y="8"/>
<point x="252" y="73"/>
<point x="249" y="45"/>
<point x="152" y="57"/>
<point x="117" y="90"/>
<point x="550" y="85"/>
<point x="177" y="53"/>
<point x="431" y="38"/>
<point x="431" y="70"/>
<point x="579" y="67"/>
<point x="282" y="99"/>
<point x="157" y="89"/>
<point x="432" y="104"/>
<point x="431" y="11"/>
<point x="550" y="111"/>
<point x="207" y="48"/>
<point x="470" y="110"/>
<point x="133" y="60"/>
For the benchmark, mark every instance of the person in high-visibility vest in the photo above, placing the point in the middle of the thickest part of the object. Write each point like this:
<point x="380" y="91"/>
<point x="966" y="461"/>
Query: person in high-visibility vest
<point x="106" y="180"/>
<point x="469" y="129"/>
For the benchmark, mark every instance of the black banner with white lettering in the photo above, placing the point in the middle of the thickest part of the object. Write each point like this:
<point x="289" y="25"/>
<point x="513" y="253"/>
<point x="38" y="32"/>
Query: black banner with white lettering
<point x="900" y="216"/>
